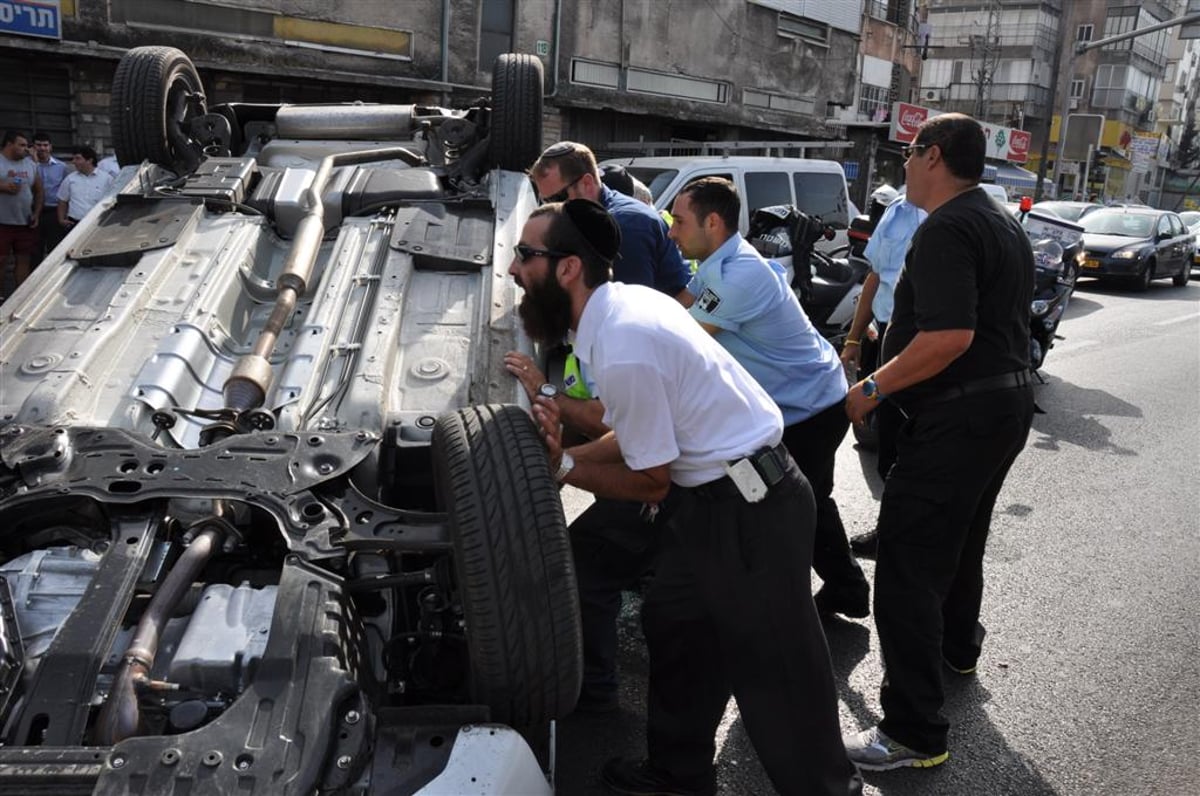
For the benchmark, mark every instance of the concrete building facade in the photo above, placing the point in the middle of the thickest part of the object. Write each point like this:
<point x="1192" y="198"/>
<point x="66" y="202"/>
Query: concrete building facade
<point x="615" y="71"/>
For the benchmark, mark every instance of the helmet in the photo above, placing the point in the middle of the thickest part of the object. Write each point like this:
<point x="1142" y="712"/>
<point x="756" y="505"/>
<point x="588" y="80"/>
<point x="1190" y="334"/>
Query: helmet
<point x="884" y="194"/>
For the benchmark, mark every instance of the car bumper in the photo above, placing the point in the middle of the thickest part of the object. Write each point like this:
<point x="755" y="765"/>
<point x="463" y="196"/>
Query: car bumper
<point x="1103" y="266"/>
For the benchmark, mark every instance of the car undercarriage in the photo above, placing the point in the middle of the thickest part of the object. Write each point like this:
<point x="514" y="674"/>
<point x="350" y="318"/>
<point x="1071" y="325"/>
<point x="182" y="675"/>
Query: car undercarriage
<point x="273" y="517"/>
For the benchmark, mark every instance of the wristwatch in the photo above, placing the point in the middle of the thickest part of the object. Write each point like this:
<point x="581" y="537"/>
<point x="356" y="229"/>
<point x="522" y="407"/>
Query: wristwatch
<point x="565" y="466"/>
<point x="871" y="390"/>
<point x="548" y="390"/>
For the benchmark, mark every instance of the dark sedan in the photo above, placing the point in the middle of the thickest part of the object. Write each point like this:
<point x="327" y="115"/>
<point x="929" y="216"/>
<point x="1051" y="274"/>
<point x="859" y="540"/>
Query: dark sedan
<point x="1137" y="245"/>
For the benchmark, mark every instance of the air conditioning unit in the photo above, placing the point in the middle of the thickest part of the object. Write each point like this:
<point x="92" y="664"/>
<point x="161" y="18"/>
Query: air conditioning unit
<point x="1073" y="103"/>
<point x="931" y="94"/>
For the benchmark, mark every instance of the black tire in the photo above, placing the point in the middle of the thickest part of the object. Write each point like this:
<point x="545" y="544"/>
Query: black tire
<point x="516" y="575"/>
<point x="515" y="138"/>
<point x="1141" y="282"/>
<point x="155" y="92"/>
<point x="1185" y="273"/>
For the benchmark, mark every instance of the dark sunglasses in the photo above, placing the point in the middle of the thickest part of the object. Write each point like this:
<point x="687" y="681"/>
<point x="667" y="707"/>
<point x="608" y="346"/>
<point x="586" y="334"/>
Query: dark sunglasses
<point x="915" y="149"/>
<point x="561" y="196"/>
<point x="525" y="252"/>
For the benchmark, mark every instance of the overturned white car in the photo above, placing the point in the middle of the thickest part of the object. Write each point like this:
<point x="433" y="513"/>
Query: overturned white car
<point x="271" y="519"/>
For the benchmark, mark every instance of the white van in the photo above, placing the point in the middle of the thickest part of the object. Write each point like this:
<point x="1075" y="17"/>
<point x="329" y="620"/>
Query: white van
<point x="817" y="187"/>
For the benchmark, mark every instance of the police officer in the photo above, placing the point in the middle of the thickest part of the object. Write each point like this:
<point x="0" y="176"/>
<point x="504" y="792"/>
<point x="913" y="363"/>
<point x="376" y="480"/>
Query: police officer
<point x="730" y="607"/>
<point x="957" y="366"/>
<point x="745" y="302"/>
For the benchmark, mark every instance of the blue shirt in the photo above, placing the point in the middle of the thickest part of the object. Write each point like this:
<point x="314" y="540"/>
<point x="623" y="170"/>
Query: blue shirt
<point x="762" y="325"/>
<point x="648" y="256"/>
<point x="53" y="173"/>
<point x="886" y="250"/>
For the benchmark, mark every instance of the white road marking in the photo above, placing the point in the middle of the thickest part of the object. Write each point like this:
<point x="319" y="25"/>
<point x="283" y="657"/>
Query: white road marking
<point x="1179" y="319"/>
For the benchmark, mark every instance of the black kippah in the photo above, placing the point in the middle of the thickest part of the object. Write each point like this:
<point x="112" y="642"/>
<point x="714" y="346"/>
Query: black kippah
<point x="614" y="176"/>
<point x="595" y="226"/>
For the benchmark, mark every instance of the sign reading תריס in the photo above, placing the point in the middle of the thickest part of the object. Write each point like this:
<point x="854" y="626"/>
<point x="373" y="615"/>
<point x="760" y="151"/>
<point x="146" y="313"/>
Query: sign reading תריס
<point x="42" y="19"/>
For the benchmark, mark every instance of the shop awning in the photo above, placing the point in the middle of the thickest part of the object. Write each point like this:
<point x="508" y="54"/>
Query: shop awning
<point x="1013" y="176"/>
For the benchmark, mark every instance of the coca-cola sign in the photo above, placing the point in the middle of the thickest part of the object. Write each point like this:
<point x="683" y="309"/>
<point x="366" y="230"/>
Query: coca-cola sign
<point x="1003" y="143"/>
<point x="1018" y="145"/>
<point x="907" y="120"/>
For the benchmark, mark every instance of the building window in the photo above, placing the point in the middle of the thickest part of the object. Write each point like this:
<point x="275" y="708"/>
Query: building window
<point x="1078" y="88"/>
<point x="873" y="101"/>
<point x="495" y="31"/>
<point x="1108" y="88"/>
<point x="1083" y="33"/>
<point x="794" y="27"/>
<point x="877" y="9"/>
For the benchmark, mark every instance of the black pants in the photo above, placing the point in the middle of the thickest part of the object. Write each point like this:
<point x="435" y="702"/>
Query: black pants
<point x="951" y="460"/>
<point x="813" y="443"/>
<point x="730" y="609"/>
<point x="50" y="234"/>
<point x="615" y="543"/>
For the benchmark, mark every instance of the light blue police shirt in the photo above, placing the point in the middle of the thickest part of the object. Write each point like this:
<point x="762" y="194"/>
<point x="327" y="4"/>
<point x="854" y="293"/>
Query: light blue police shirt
<point x="762" y="325"/>
<point x="886" y="250"/>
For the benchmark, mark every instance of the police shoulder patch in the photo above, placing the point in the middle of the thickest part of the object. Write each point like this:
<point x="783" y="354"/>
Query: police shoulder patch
<point x="709" y="300"/>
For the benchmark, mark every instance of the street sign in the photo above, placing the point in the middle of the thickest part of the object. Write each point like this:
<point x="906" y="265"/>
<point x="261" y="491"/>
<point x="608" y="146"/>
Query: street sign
<point x="1083" y="130"/>
<point x="25" y="18"/>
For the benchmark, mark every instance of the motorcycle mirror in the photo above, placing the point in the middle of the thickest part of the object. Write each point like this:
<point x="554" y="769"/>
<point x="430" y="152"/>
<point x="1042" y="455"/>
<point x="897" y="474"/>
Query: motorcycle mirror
<point x="829" y="233"/>
<point x="1026" y="204"/>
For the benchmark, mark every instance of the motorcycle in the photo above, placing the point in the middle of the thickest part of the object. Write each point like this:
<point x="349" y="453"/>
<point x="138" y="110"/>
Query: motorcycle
<point x="827" y="287"/>
<point x="1058" y="257"/>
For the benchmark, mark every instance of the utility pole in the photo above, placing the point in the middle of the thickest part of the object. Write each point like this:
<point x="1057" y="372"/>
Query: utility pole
<point x="1063" y="27"/>
<point x="987" y="47"/>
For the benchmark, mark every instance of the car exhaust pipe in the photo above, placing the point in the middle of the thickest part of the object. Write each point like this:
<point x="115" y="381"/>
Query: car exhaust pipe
<point x="247" y="385"/>
<point x="121" y="715"/>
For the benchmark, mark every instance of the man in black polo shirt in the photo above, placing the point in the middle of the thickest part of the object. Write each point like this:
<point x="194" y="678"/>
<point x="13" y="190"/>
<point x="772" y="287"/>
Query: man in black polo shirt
<point x="958" y="369"/>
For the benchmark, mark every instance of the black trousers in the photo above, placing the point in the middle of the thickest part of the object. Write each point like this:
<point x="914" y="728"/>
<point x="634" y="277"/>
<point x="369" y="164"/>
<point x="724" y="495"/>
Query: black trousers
<point x="730" y="609"/>
<point x="813" y="444"/>
<point x="50" y="234"/>
<point x="951" y="461"/>
<point x="615" y="543"/>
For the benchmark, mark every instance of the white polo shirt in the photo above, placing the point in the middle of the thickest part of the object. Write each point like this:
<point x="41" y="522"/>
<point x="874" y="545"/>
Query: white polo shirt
<point x="81" y="192"/>
<point x="671" y="393"/>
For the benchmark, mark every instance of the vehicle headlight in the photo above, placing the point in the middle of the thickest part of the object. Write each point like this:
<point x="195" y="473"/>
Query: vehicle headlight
<point x="1125" y="254"/>
<point x="1039" y="307"/>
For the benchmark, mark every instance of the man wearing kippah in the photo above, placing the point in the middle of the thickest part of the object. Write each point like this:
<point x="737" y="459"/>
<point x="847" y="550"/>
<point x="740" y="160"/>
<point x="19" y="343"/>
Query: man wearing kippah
<point x="614" y="542"/>
<point x="730" y="610"/>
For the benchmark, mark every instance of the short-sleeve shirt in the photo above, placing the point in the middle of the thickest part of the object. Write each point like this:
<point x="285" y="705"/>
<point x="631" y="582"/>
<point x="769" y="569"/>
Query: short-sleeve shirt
<point x="885" y="251"/>
<point x="16" y="209"/>
<point x="762" y="324"/>
<point x="647" y="255"/>
<point x="82" y="191"/>
<point x="672" y="394"/>
<point x="970" y="266"/>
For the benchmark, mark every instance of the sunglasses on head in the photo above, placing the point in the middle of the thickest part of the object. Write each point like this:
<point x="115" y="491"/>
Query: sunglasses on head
<point x="561" y="195"/>
<point x="525" y="252"/>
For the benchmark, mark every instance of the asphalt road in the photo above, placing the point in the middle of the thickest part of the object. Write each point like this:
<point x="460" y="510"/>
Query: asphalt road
<point x="1090" y="679"/>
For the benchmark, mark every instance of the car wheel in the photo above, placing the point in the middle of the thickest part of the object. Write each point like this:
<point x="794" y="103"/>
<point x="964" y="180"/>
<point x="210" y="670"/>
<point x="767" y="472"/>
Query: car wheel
<point x="155" y="93"/>
<point x="513" y="563"/>
<point x="1141" y="282"/>
<point x="516" y="118"/>
<point x="1185" y="273"/>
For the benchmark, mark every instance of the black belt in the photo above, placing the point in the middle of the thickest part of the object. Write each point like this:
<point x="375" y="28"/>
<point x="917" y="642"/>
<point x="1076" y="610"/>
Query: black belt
<point x="1005" y="381"/>
<point x="770" y="463"/>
